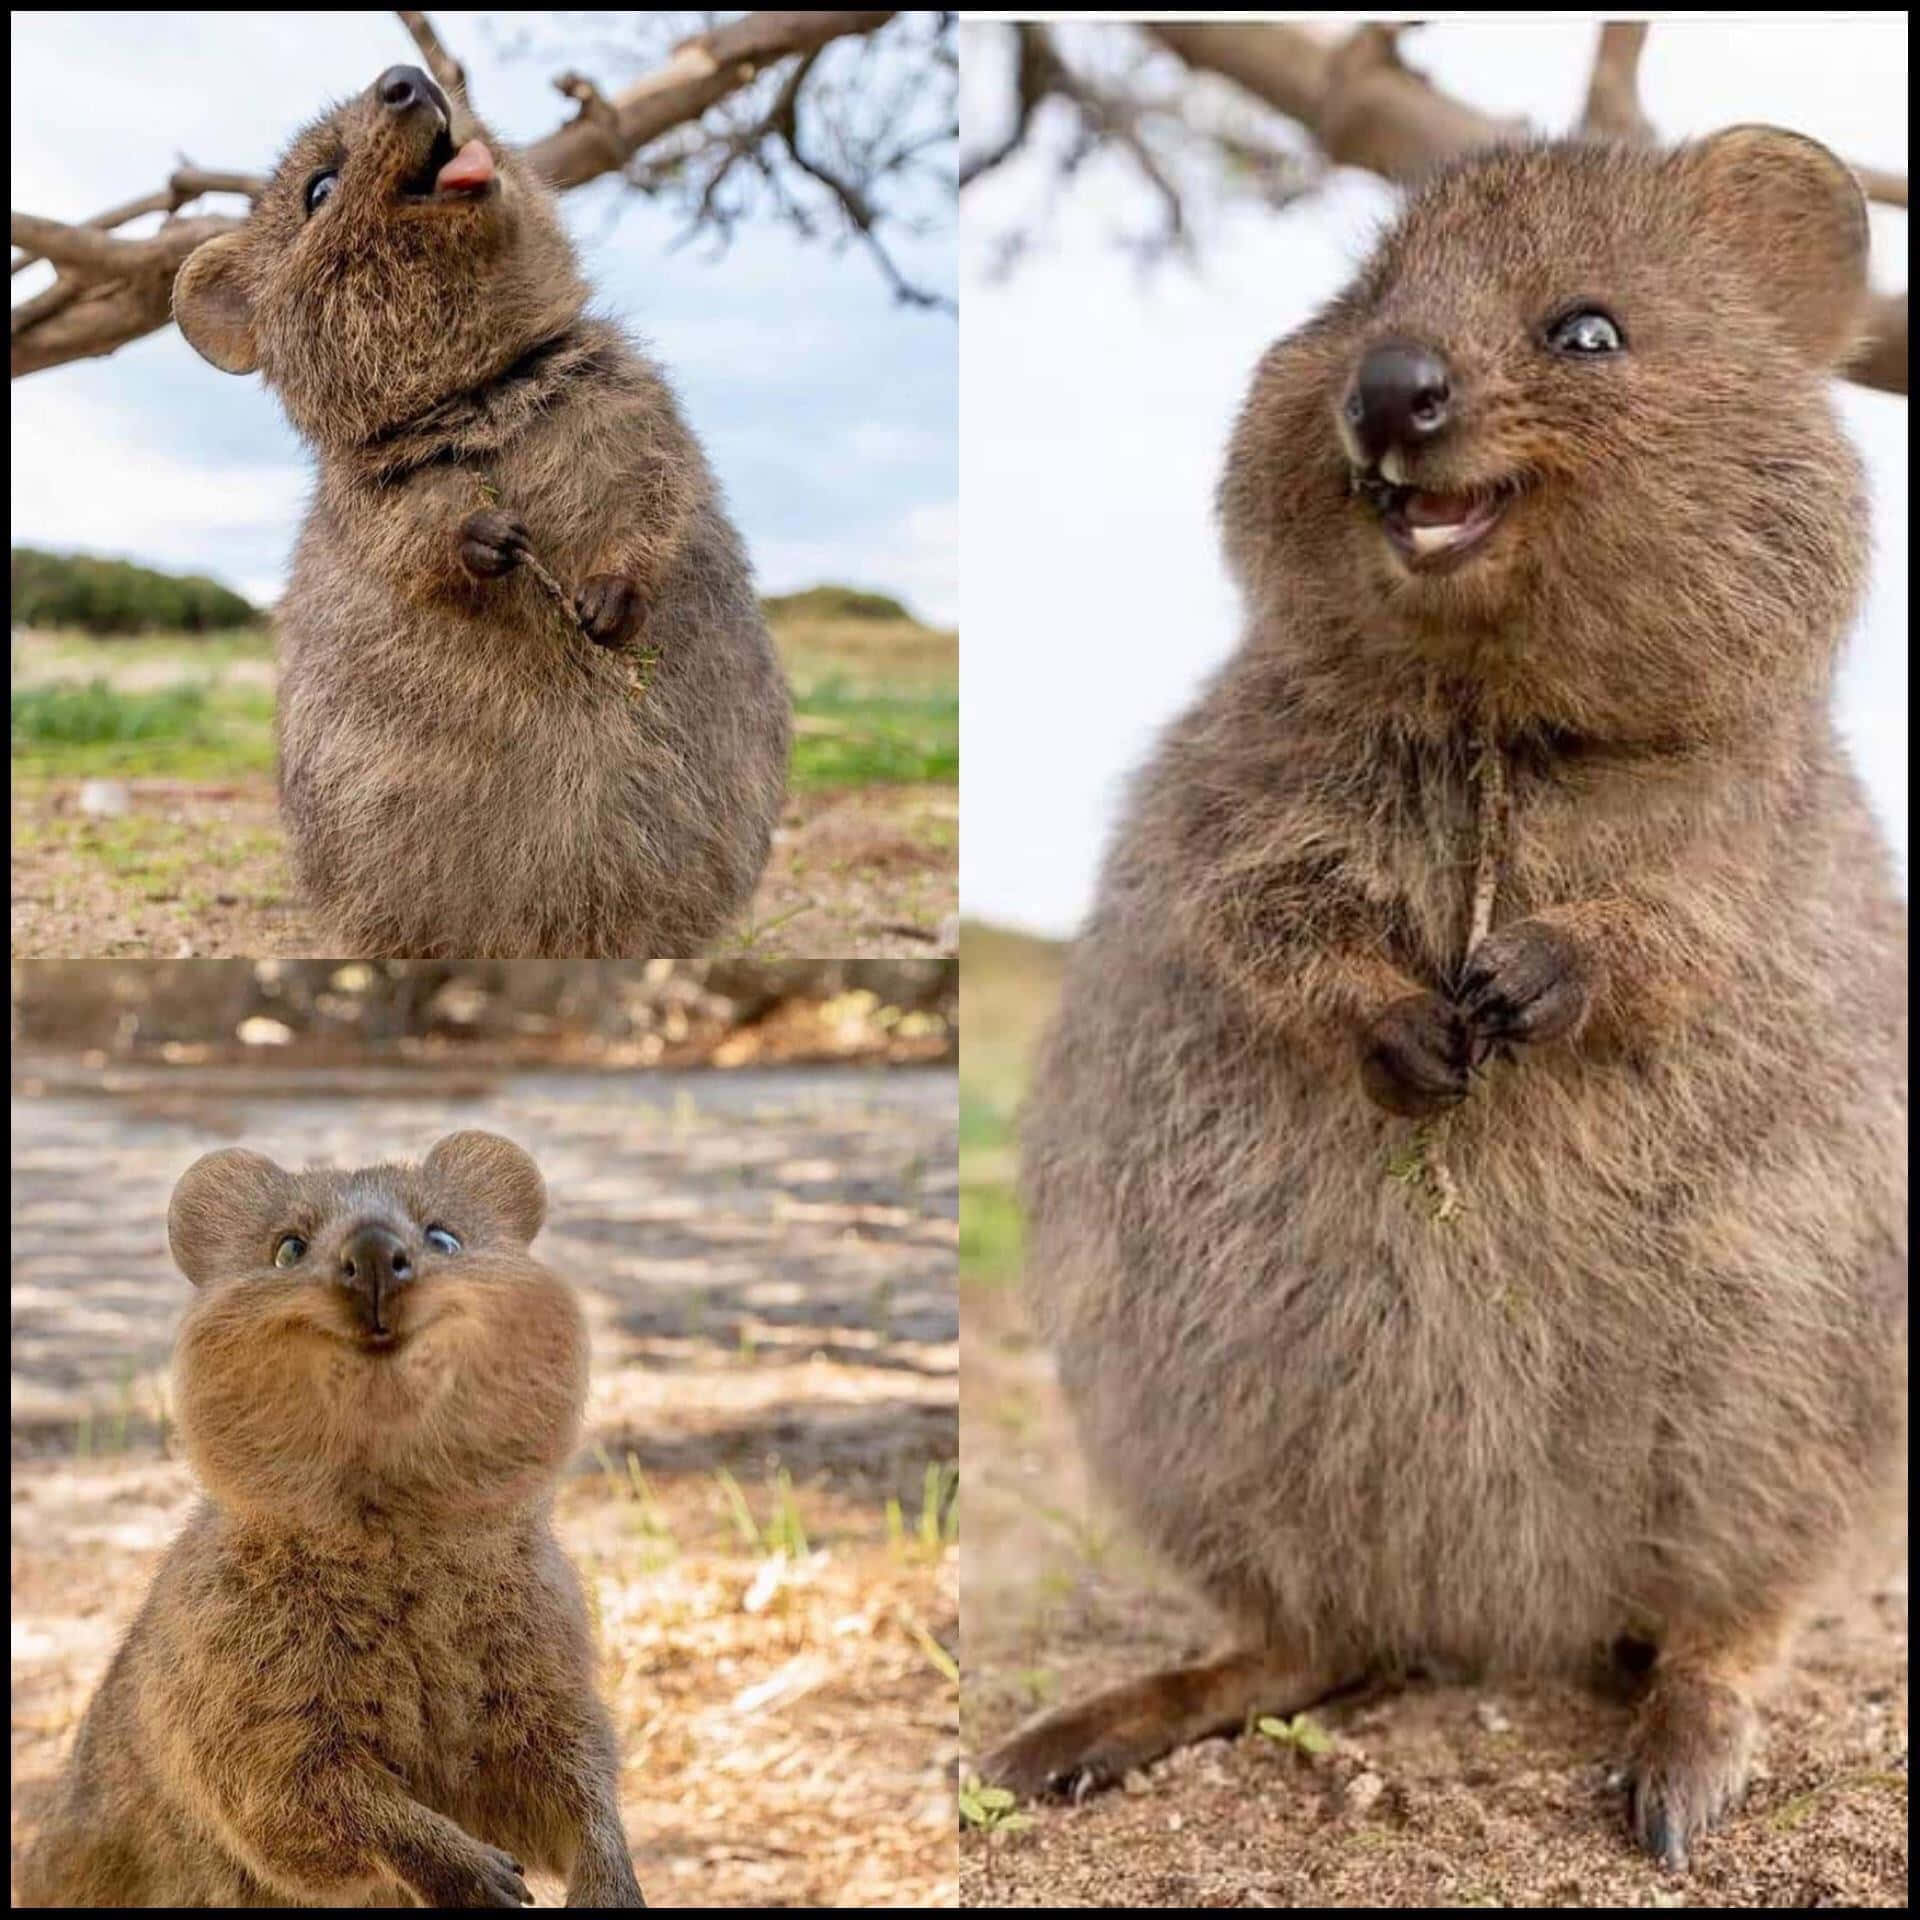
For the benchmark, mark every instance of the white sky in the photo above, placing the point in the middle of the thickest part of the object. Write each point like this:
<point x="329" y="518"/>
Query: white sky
<point x="1095" y="406"/>
<point x="827" y="410"/>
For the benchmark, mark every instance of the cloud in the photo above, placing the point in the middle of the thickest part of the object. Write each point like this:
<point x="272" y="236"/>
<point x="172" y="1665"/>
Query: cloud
<point x="74" y="485"/>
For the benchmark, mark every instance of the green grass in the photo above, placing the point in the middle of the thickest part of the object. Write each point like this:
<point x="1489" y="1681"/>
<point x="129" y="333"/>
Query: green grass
<point x="1008" y="984"/>
<point x="192" y="729"/>
<point x="876" y="702"/>
<point x="850" y="737"/>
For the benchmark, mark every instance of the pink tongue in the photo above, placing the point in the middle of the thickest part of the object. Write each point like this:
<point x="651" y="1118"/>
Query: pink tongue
<point x="1434" y="509"/>
<point x="468" y="170"/>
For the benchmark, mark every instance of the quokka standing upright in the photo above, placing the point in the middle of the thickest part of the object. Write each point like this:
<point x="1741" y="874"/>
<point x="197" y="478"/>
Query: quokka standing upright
<point x="467" y="768"/>
<point x="364" y="1674"/>
<point x="1513" y="854"/>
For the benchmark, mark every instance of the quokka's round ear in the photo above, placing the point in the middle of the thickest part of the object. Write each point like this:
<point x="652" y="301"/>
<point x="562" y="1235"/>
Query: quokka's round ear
<point x="497" y="1175"/>
<point x="223" y="1212"/>
<point x="214" y="306"/>
<point x="1798" y="216"/>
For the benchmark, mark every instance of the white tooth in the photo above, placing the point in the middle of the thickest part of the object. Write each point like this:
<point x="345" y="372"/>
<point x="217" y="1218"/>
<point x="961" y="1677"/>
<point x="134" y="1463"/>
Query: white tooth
<point x="1393" y="469"/>
<point x="1434" y="539"/>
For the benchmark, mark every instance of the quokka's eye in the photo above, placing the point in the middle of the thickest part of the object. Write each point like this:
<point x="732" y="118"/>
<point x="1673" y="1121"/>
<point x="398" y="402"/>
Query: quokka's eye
<point x="320" y="188"/>
<point x="441" y="1241"/>
<point x="289" y="1250"/>
<point x="1586" y="331"/>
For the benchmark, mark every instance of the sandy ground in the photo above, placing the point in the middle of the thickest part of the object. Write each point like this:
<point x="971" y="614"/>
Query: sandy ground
<point x="1433" y="1796"/>
<point x="201" y="870"/>
<point x="767" y="1260"/>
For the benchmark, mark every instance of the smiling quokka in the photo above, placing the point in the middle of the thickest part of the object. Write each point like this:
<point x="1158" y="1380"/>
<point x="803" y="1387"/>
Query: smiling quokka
<point x="465" y="768"/>
<point x="1549" y="539"/>
<point x="364" y="1673"/>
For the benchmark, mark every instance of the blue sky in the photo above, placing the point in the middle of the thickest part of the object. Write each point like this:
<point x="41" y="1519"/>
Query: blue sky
<point x="1098" y="405"/>
<point x="828" y="411"/>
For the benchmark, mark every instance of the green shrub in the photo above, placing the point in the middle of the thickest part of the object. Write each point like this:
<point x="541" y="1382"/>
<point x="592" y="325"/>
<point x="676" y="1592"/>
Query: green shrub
<point x="114" y="596"/>
<point x="65" y="713"/>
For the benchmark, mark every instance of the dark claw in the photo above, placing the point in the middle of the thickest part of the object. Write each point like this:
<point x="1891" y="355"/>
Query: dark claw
<point x="1661" y="1835"/>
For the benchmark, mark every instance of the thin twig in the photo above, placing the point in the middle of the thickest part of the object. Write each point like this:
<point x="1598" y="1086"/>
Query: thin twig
<point x="440" y="63"/>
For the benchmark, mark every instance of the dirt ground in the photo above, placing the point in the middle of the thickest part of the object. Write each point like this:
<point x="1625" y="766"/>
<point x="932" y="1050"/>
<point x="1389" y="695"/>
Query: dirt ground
<point x="767" y="1260"/>
<point x="200" y="870"/>
<point x="1432" y="1796"/>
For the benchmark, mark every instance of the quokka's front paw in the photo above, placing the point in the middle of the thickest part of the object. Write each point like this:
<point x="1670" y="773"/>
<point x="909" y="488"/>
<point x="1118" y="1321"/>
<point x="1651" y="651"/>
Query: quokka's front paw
<point x="1415" y="1055"/>
<point x="479" y="1876"/>
<point x="1528" y="982"/>
<point x="492" y="542"/>
<point x="608" y="608"/>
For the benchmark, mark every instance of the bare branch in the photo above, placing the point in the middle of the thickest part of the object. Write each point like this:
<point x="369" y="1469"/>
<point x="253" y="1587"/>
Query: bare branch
<point x="1613" y="108"/>
<point x="1881" y="360"/>
<point x="784" y="121"/>
<point x="1363" y="105"/>
<point x="187" y="182"/>
<point x="1888" y="189"/>
<point x="190" y="182"/>
<point x="702" y="72"/>
<point x="54" y="298"/>
<point x="440" y="63"/>
<point x="1039" y="73"/>
<point x="91" y="252"/>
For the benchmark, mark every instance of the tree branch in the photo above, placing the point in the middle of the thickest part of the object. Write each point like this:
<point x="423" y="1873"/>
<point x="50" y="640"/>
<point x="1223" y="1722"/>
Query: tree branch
<point x="1613" y="94"/>
<point x="451" y="75"/>
<point x="1881" y="359"/>
<point x="1889" y="189"/>
<point x="702" y="72"/>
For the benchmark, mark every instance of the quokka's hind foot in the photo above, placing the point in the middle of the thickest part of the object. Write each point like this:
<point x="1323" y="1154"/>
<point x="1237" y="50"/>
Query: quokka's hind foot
<point x="1074" y="1751"/>
<point x="1694" y="1739"/>
<point x="1691" y="1751"/>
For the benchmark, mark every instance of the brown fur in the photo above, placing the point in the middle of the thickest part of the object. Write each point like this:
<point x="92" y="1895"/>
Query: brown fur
<point x="364" y="1673"/>
<point x="1652" y="1380"/>
<point x="461" y="771"/>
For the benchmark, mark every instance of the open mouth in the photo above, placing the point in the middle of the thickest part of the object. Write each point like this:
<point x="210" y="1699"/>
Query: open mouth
<point x="1432" y="531"/>
<point x="452" y="174"/>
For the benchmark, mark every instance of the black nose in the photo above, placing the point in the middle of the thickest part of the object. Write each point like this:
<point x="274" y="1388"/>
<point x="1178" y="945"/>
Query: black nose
<point x="404" y="88"/>
<point x="374" y="1266"/>
<point x="1400" y="398"/>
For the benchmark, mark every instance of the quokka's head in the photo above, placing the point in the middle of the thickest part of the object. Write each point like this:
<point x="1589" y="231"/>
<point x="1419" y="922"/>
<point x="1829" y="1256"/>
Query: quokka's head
<point x="1570" y="429"/>
<point x="381" y="1337"/>
<point x="399" y="255"/>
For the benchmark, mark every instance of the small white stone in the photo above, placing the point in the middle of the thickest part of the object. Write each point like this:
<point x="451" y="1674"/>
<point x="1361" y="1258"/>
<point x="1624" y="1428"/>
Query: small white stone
<point x="1363" y="1790"/>
<point x="105" y="799"/>
<point x="259" y="1031"/>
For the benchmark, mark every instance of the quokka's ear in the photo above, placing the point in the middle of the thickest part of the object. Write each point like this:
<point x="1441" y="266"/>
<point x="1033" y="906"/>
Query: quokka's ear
<point x="224" y="1213"/>
<point x="214" y="305"/>
<point x="1797" y="215"/>
<point x="498" y="1176"/>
